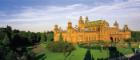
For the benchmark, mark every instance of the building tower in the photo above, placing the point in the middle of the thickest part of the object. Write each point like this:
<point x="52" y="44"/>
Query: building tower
<point x="81" y="23"/>
<point x="86" y="19"/>
<point x="125" y="28"/>
<point x="69" y="28"/>
<point x="56" y="29"/>
<point x="56" y="32"/>
<point x="116" y="25"/>
<point x="127" y="32"/>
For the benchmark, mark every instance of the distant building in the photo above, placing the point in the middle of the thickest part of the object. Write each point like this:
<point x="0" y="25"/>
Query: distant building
<point x="88" y="31"/>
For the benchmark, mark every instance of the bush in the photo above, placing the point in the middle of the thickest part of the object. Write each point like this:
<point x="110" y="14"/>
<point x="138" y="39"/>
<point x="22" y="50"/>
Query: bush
<point x="60" y="47"/>
<point x="93" y="46"/>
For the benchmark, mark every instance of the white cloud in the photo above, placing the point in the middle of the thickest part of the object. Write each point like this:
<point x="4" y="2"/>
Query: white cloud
<point x="43" y="18"/>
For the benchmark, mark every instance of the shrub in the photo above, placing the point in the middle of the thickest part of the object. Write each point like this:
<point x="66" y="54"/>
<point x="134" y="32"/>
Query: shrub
<point x="60" y="47"/>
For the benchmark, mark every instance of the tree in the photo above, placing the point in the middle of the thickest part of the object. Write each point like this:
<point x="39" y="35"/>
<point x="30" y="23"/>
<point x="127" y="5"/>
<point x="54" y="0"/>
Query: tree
<point x="14" y="43"/>
<point x="19" y="42"/>
<point x="60" y="47"/>
<point x="33" y="38"/>
<point x="38" y="37"/>
<point x="113" y="52"/>
<point x="11" y="56"/>
<point x="6" y="41"/>
<point x="135" y="35"/>
<point x="88" y="55"/>
<point x="2" y="33"/>
<point x="50" y="36"/>
<point x="128" y="42"/>
<point x="61" y="38"/>
<point x="43" y="37"/>
<point x="9" y="31"/>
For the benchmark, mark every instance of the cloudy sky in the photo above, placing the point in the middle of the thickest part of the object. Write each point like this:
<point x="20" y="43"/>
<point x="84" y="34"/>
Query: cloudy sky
<point x="42" y="15"/>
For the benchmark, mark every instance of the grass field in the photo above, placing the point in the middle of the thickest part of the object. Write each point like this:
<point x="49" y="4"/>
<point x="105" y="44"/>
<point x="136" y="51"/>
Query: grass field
<point x="77" y="54"/>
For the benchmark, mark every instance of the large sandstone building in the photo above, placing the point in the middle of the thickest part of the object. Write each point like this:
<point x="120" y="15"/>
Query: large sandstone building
<point x="88" y="31"/>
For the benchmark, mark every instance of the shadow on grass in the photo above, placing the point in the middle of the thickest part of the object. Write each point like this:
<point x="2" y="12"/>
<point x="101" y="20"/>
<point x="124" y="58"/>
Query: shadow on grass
<point x="114" y="54"/>
<point x="88" y="55"/>
<point x="41" y="57"/>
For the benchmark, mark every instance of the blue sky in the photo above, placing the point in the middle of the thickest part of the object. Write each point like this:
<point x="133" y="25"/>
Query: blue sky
<point x="42" y="15"/>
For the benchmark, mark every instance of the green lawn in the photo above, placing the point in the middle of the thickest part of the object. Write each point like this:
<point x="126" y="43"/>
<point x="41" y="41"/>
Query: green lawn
<point x="79" y="54"/>
<point x="125" y="50"/>
<point x="99" y="54"/>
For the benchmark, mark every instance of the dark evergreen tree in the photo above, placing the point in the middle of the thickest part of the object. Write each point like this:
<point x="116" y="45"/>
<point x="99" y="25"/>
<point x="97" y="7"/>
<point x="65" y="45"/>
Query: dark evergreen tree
<point x="43" y="37"/>
<point x="114" y="53"/>
<point x="50" y="36"/>
<point x="6" y="41"/>
<point x="14" y="43"/>
<point x="88" y="55"/>
<point x="61" y="38"/>
<point x="135" y="35"/>
<point x="9" y="31"/>
<point x="11" y="56"/>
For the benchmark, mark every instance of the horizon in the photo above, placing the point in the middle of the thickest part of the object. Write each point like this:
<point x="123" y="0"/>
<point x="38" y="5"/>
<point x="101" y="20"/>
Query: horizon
<point x="39" y="16"/>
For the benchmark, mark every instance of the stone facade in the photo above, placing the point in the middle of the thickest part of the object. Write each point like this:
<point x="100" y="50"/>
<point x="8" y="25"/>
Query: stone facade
<point x="88" y="31"/>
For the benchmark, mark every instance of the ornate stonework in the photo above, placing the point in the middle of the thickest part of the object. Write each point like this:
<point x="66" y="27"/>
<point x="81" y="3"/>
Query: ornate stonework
<point x="88" y="31"/>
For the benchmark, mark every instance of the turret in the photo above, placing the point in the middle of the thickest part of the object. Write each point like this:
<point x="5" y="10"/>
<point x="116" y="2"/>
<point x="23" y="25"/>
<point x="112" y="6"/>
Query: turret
<point x="69" y="28"/>
<point x="69" y="25"/>
<point x="125" y="28"/>
<point x="81" y="23"/>
<point x="56" y="32"/>
<point x="116" y="25"/>
<point x="81" y="20"/>
<point x="60" y="30"/>
<point x="86" y="19"/>
<point x="56" y="28"/>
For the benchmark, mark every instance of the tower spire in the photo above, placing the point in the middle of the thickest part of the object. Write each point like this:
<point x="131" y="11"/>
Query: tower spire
<point x="80" y="18"/>
<point x="69" y="24"/>
<point x="81" y="22"/>
<point x="56" y="29"/>
<point x="86" y="19"/>
<point x="125" y="28"/>
<point x="116" y="24"/>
